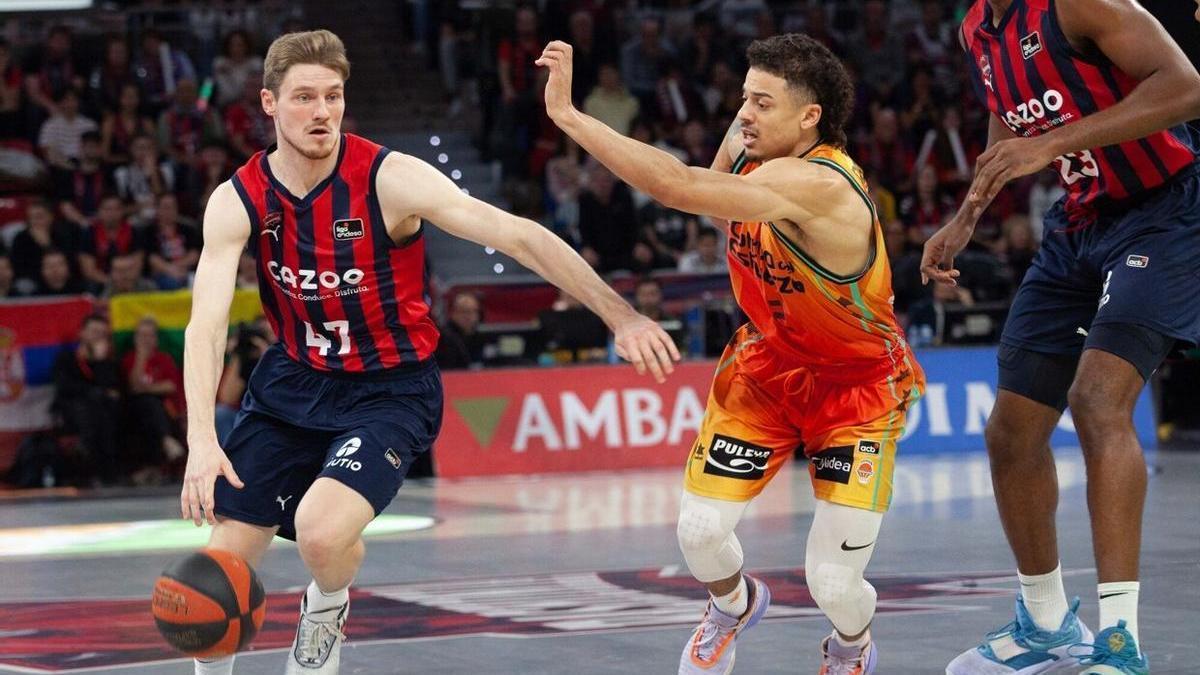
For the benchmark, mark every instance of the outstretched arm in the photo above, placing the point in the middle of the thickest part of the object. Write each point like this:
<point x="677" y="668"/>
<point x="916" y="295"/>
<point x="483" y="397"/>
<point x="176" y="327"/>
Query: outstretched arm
<point x="409" y="186"/>
<point x="1168" y="92"/>
<point x="783" y="189"/>
<point x="226" y="229"/>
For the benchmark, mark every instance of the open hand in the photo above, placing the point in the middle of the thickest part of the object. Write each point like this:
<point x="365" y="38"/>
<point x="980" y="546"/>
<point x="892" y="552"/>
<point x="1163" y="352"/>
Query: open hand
<point x="646" y="345"/>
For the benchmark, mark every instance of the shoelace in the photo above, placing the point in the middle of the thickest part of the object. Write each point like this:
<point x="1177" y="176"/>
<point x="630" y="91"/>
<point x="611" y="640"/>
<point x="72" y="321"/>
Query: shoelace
<point x="710" y="634"/>
<point x="316" y="637"/>
<point x="1009" y="628"/>
<point x="1100" y="656"/>
<point x="836" y="665"/>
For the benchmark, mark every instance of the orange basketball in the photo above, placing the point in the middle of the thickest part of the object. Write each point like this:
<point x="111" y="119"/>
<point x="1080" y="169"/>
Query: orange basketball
<point x="209" y="604"/>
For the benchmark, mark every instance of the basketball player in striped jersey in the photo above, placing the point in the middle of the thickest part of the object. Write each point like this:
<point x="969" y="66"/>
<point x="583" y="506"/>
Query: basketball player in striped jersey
<point x="1097" y="90"/>
<point x="822" y="365"/>
<point x="335" y="413"/>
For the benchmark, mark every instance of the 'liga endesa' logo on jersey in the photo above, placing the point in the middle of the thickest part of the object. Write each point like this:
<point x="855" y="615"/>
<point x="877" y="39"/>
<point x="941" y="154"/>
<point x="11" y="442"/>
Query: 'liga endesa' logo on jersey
<point x="327" y="283"/>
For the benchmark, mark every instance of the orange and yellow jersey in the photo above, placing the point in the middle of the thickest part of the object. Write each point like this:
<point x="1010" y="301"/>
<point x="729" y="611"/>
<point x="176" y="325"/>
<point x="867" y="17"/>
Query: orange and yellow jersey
<point x="841" y="328"/>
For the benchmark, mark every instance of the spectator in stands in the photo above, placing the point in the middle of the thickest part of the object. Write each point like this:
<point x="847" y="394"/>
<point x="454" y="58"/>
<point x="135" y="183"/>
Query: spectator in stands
<point x="927" y="208"/>
<point x="11" y="123"/>
<point x="588" y="55"/>
<point x="108" y="80"/>
<point x="668" y="231"/>
<point x="883" y="198"/>
<point x="920" y="109"/>
<point x="877" y="52"/>
<point x="236" y="66"/>
<point x="247" y="346"/>
<point x="247" y="127"/>
<point x="8" y="279"/>
<point x="697" y="144"/>
<point x="159" y="69"/>
<point x="723" y="95"/>
<point x="154" y="399"/>
<point x="108" y="237"/>
<point x="247" y="274"/>
<point x="145" y="178"/>
<point x="703" y="49"/>
<point x="610" y="102"/>
<point x="40" y="234"/>
<point x="122" y="124"/>
<point x="646" y="258"/>
<point x="648" y="299"/>
<point x="564" y="181"/>
<point x="886" y="154"/>
<point x="707" y="258"/>
<point x="518" y="78"/>
<point x="87" y="396"/>
<point x="461" y="345"/>
<point x="1016" y="247"/>
<point x="78" y="191"/>
<point x="676" y="101"/>
<point x="817" y="27"/>
<point x="51" y="71"/>
<point x="607" y="225"/>
<point x="1042" y="194"/>
<point x="906" y="268"/>
<point x="944" y="148"/>
<point x="927" y="316"/>
<point x="125" y="276"/>
<point x="187" y="124"/>
<point x="213" y="168"/>
<point x="56" y="277"/>
<point x="60" y="139"/>
<point x="643" y="62"/>
<point x="934" y="43"/>
<point x="172" y="246"/>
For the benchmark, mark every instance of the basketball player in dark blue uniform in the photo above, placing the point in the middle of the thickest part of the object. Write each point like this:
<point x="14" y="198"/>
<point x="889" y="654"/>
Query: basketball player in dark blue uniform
<point x="1097" y="90"/>
<point x="336" y="411"/>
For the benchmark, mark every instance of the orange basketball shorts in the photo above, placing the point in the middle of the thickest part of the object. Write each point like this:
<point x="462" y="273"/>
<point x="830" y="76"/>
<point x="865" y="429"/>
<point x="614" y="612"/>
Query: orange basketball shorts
<point x="760" y="411"/>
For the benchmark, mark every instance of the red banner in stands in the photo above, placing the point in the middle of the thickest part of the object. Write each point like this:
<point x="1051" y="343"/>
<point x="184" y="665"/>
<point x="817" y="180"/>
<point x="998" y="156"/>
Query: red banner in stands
<point x="586" y="418"/>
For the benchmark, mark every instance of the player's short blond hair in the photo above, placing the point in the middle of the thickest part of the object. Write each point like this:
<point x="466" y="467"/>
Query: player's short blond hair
<point x="317" y="47"/>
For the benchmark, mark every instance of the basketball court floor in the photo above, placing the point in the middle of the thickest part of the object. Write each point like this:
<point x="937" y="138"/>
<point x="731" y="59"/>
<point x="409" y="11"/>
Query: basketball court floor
<point x="580" y="574"/>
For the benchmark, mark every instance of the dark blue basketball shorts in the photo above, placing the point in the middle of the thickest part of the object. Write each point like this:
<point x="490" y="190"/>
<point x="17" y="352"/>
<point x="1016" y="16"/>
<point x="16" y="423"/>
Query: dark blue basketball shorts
<point x="1138" y="266"/>
<point x="298" y="424"/>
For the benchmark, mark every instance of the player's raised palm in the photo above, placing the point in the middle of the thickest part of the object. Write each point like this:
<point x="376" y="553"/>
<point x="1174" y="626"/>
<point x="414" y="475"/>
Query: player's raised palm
<point x="557" y="58"/>
<point x="646" y="345"/>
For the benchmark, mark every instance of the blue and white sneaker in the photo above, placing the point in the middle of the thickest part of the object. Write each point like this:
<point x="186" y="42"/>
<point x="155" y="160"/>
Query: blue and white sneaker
<point x="1114" y="653"/>
<point x="1022" y="648"/>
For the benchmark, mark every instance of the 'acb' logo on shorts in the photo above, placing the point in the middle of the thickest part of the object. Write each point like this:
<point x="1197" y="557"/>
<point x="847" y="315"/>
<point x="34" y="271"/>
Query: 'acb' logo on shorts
<point x="342" y="456"/>
<point x="734" y="458"/>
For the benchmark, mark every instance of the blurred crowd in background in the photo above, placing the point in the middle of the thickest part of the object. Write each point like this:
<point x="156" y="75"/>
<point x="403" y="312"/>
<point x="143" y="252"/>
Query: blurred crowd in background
<point x="114" y="138"/>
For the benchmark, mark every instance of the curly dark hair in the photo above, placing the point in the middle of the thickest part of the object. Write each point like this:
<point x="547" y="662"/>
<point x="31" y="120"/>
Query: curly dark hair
<point x="810" y="67"/>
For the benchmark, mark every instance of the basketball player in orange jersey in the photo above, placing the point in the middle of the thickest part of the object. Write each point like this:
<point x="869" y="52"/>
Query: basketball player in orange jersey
<point x="822" y="365"/>
<point x="335" y="413"/>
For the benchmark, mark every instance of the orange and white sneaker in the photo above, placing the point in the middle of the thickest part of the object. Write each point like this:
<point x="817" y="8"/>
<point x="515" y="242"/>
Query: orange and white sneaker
<point x="711" y="648"/>
<point x="842" y="661"/>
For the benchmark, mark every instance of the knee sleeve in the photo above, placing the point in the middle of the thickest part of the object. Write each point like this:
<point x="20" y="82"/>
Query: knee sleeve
<point x="706" y="537"/>
<point x="840" y="544"/>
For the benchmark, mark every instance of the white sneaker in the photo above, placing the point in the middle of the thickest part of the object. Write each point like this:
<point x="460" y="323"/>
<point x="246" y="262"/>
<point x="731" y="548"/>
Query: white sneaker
<point x="317" y="648"/>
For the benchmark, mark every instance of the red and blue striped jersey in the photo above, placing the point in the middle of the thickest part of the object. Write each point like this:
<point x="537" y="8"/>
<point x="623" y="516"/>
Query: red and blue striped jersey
<point x="1035" y="81"/>
<point x="339" y="292"/>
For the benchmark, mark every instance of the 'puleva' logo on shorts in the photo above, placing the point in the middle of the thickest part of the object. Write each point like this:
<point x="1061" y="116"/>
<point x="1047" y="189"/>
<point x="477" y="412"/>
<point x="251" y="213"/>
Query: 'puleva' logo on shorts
<point x="734" y="458"/>
<point x="834" y="464"/>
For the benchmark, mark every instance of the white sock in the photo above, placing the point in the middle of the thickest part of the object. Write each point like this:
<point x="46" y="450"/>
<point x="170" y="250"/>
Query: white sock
<point x="1119" y="600"/>
<point x="855" y="645"/>
<point x="222" y="666"/>
<point x="319" y="601"/>
<point x="736" y="601"/>
<point x="1045" y="598"/>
